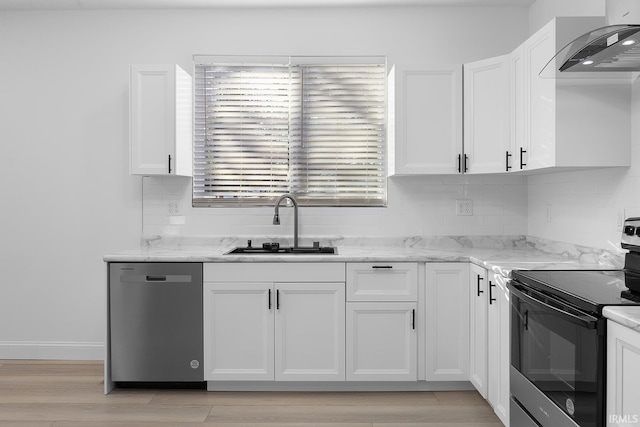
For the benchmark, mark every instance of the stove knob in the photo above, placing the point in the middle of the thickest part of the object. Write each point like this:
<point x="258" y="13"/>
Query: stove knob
<point x="637" y="231"/>
<point x="629" y="230"/>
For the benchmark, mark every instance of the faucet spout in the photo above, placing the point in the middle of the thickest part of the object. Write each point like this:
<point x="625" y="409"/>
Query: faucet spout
<point x="276" y="215"/>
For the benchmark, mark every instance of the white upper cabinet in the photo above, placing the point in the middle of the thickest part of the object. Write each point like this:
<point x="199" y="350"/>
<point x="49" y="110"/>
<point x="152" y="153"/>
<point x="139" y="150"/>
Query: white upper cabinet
<point x="518" y="139"/>
<point x="161" y="129"/>
<point x="572" y="122"/>
<point x="427" y="116"/>
<point x="486" y="115"/>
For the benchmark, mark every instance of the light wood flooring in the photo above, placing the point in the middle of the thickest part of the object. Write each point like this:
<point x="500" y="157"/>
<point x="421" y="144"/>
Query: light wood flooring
<point x="70" y="394"/>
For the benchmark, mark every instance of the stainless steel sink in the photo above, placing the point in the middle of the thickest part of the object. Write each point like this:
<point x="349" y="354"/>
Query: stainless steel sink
<point x="272" y="249"/>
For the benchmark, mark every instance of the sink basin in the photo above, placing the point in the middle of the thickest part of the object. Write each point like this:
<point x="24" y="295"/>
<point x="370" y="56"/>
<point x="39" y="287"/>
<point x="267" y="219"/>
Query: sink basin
<point x="276" y="250"/>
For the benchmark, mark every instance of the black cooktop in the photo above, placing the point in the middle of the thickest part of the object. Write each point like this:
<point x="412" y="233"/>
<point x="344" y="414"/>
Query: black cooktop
<point x="589" y="290"/>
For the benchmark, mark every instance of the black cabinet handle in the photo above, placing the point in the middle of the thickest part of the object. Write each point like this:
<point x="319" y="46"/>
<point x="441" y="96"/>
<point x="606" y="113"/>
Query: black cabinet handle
<point x="169" y="163"/>
<point x="156" y="278"/>
<point x="466" y="162"/>
<point x="269" y="299"/>
<point x="507" y="161"/>
<point x="526" y="320"/>
<point x="459" y="163"/>
<point x="277" y="299"/>
<point x="382" y="266"/>
<point x="479" y="279"/>
<point x="413" y="319"/>
<point x="491" y="298"/>
<point x="522" y="164"/>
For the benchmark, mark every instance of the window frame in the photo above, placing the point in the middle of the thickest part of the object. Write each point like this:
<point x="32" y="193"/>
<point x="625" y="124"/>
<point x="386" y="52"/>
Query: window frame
<point x="382" y="148"/>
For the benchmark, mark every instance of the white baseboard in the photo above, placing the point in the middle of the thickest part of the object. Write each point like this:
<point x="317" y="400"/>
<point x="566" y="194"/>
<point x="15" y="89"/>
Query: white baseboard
<point x="51" y="350"/>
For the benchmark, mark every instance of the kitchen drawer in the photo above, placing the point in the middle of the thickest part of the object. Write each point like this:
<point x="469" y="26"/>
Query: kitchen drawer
<point x="382" y="281"/>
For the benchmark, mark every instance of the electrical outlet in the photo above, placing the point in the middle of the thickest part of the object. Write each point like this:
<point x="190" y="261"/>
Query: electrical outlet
<point x="464" y="207"/>
<point x="173" y="208"/>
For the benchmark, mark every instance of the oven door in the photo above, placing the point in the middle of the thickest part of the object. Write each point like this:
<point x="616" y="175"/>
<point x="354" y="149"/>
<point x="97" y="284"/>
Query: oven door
<point x="558" y="354"/>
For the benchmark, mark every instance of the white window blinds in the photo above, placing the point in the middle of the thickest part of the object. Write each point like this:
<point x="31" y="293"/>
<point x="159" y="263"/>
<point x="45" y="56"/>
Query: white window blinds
<point x="312" y="127"/>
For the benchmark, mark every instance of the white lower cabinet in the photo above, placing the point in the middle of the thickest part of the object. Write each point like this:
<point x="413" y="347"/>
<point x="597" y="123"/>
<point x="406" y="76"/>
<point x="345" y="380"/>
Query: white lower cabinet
<point x="447" y="322"/>
<point x="478" y="284"/>
<point x="239" y="330"/>
<point x="382" y="321"/>
<point x="265" y="322"/>
<point x="623" y="376"/>
<point x="498" y="347"/>
<point x="310" y="332"/>
<point x="489" y="340"/>
<point x="382" y="341"/>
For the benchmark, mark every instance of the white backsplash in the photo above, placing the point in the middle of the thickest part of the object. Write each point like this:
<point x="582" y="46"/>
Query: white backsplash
<point x="586" y="207"/>
<point x="418" y="206"/>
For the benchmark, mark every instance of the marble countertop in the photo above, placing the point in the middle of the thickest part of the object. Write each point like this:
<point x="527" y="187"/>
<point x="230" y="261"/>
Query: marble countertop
<point x="498" y="260"/>
<point x="626" y="316"/>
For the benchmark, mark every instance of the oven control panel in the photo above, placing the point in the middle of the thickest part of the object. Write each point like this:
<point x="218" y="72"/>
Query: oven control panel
<point x="631" y="234"/>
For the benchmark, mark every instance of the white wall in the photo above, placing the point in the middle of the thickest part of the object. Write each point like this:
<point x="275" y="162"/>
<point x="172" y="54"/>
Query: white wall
<point x="584" y="206"/>
<point x="67" y="195"/>
<point x="542" y="11"/>
<point x="417" y="206"/>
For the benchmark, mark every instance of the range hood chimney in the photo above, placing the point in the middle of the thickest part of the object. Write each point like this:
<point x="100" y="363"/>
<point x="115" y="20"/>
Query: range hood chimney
<point x="611" y="52"/>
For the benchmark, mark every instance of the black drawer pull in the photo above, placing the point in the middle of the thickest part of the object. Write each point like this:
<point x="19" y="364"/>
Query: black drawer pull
<point x="382" y="266"/>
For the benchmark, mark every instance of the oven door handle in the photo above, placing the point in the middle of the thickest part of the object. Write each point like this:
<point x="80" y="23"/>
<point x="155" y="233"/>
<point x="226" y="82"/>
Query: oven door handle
<point x="584" y="320"/>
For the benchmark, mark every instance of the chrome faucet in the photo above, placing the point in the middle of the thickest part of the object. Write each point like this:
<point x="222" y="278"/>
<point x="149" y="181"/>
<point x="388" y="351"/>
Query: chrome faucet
<point x="276" y="216"/>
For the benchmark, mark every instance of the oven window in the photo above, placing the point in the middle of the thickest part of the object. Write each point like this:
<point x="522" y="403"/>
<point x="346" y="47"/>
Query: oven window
<point x="558" y="356"/>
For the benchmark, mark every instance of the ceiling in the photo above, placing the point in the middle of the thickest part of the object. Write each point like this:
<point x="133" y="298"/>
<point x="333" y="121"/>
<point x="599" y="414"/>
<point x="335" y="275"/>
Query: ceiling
<point x="206" y="4"/>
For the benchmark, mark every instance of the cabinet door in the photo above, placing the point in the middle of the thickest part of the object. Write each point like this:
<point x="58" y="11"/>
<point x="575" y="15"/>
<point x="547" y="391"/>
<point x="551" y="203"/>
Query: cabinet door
<point x="478" y="291"/>
<point x="238" y="331"/>
<point x="381" y="341"/>
<point x="447" y="322"/>
<point x="540" y="98"/>
<point x="160" y="120"/>
<point x="498" y="347"/>
<point x="486" y="115"/>
<point x="518" y="137"/>
<point x="428" y="119"/>
<point x="310" y="332"/>
<point x="623" y="375"/>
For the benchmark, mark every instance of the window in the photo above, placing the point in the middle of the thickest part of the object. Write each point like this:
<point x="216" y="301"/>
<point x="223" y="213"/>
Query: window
<point x="312" y="127"/>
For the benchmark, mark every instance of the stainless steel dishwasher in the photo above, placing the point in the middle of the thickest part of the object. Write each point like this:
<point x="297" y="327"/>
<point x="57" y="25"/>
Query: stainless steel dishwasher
<point x="155" y="315"/>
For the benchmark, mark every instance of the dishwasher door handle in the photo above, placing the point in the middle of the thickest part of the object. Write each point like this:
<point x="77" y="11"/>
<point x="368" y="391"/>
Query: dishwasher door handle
<point x="156" y="278"/>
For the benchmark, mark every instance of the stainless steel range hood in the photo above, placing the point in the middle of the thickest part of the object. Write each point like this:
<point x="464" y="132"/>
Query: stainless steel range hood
<point x="611" y="52"/>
